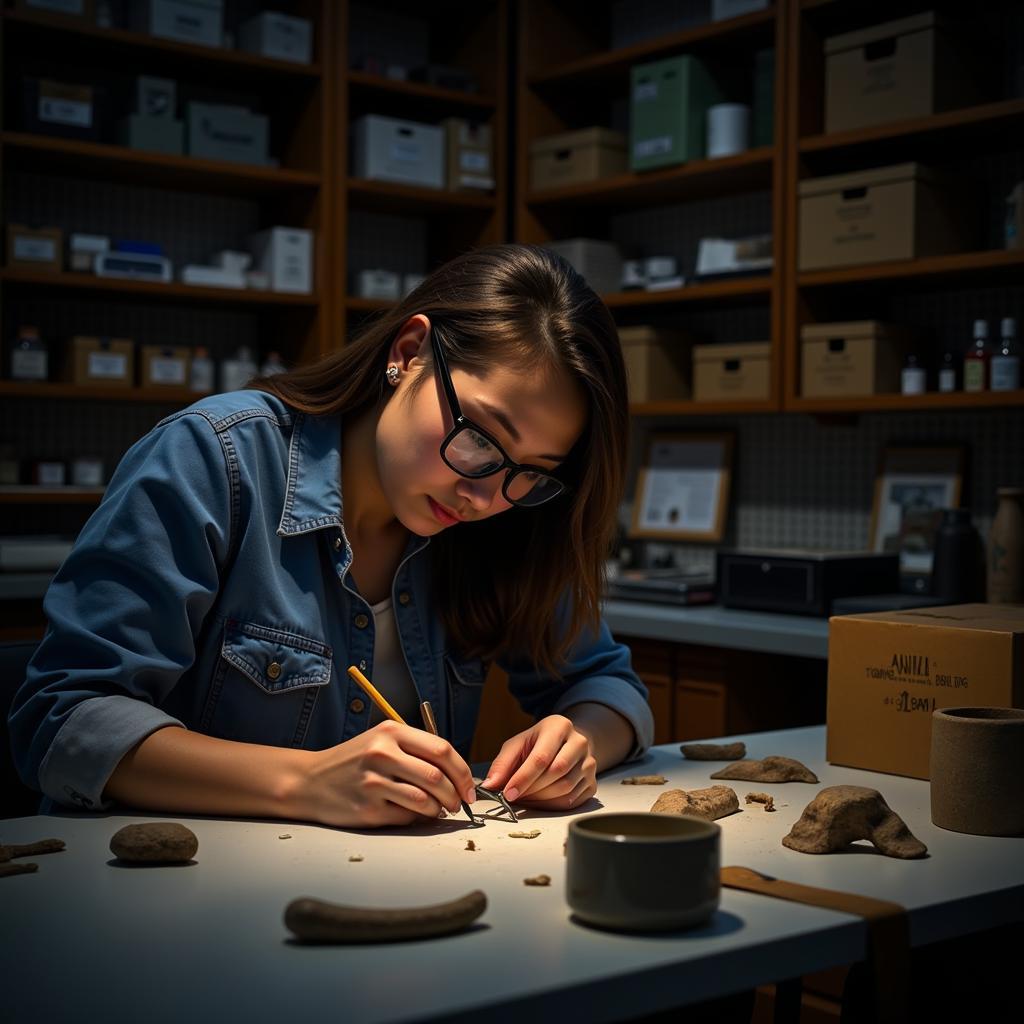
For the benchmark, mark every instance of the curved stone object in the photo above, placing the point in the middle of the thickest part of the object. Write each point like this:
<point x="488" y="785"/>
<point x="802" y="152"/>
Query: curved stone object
<point x="714" y="802"/>
<point x="713" y="751"/>
<point x="771" y="769"/>
<point x="157" y="842"/>
<point x="840" y="815"/>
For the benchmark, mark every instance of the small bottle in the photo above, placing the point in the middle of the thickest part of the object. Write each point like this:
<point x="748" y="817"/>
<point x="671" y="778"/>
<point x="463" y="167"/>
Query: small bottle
<point x="201" y="376"/>
<point x="272" y="364"/>
<point x="30" y="359"/>
<point x="947" y="372"/>
<point x="976" y="359"/>
<point x="1005" y="363"/>
<point x="237" y="372"/>
<point x="912" y="377"/>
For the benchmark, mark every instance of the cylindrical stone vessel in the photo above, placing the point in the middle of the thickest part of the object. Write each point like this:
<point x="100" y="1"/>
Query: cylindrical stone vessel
<point x="977" y="770"/>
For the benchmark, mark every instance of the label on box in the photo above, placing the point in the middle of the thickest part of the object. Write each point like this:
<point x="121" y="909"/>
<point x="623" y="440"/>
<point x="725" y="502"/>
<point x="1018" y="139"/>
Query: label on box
<point x="470" y="161"/>
<point x="87" y="472"/>
<point x="57" y="110"/>
<point x="108" y="365"/>
<point x="652" y="147"/>
<point x="33" y="248"/>
<point x="645" y="91"/>
<point x="406" y="151"/>
<point x="167" y="370"/>
<point x="28" y="365"/>
<point x="50" y="474"/>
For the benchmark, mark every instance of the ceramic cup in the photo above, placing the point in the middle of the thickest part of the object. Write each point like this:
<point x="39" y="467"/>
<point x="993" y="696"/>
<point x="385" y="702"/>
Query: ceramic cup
<point x="642" y="871"/>
<point x="977" y="770"/>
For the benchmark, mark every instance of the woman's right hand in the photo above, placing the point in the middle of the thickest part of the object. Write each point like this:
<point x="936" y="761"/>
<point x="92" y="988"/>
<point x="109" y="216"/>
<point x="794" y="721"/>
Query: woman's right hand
<point x="391" y="774"/>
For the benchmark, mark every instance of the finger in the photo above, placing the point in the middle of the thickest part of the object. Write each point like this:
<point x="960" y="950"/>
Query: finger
<point x="401" y="795"/>
<point x="437" y="751"/>
<point x="580" y="794"/>
<point x="558" y="788"/>
<point x="510" y="757"/>
<point x="546" y="755"/>
<point x="569" y="759"/>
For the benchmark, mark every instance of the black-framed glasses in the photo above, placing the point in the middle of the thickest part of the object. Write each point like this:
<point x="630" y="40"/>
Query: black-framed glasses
<point x="473" y="453"/>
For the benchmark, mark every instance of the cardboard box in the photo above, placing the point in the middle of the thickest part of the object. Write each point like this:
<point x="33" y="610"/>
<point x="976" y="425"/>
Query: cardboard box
<point x="34" y="248"/>
<point x="657" y="363"/>
<point x="468" y="154"/>
<point x="66" y="109"/>
<point x="573" y="158"/>
<point x="598" y="261"/>
<point x="888" y="671"/>
<point x="152" y="134"/>
<point x="164" y="365"/>
<point x="286" y="255"/>
<point x="907" y="68"/>
<point x="900" y="212"/>
<point x="102" y="362"/>
<point x="731" y="372"/>
<point x="669" y="101"/>
<point x="218" y="132"/>
<point x="389" y="149"/>
<point x="80" y="10"/>
<point x="188" y="21"/>
<point x="862" y="357"/>
<point x="279" y="36"/>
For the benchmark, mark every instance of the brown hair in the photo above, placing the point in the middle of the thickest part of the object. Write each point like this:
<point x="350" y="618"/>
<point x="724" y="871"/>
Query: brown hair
<point x="500" y="582"/>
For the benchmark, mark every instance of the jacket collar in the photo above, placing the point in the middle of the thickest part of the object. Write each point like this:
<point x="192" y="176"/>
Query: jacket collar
<point x="313" y="491"/>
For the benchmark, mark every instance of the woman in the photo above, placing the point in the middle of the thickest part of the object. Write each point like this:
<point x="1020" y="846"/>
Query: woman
<point x="439" y="494"/>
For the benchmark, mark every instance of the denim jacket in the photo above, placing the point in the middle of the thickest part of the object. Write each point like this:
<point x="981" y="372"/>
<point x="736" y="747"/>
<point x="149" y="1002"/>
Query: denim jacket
<point x="210" y="590"/>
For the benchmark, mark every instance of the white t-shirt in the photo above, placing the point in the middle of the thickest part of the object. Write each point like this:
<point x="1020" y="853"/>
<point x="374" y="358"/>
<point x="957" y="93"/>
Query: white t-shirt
<point x="390" y="673"/>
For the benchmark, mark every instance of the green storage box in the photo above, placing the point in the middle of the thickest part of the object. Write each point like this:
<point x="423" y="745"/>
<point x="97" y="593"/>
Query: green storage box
<point x="668" y="111"/>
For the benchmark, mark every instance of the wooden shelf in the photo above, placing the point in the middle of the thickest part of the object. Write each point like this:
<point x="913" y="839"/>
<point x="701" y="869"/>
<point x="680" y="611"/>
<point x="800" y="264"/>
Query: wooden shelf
<point x="390" y="197"/>
<point x="709" y="291"/>
<point x="985" y="117"/>
<point x="615" y="64"/>
<point x="904" y="403"/>
<point x="420" y="92"/>
<point x="1007" y="263"/>
<point x="48" y="389"/>
<point x="108" y="162"/>
<point x="688" y="407"/>
<point x="116" y="40"/>
<point x="171" y="292"/>
<point x="27" y="495"/>
<point x="746" y="172"/>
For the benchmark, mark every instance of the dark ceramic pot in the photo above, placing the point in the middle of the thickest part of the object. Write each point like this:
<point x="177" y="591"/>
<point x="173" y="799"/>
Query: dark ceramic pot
<point x="977" y="770"/>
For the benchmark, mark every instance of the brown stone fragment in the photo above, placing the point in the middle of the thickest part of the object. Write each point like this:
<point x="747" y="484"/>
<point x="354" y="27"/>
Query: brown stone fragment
<point x="30" y="849"/>
<point x="714" y="751"/>
<point x="644" y="780"/>
<point x="17" y="869"/>
<point x="761" y="798"/>
<point x="156" y="842"/>
<point x="470" y="845"/>
<point x="714" y="802"/>
<point x="771" y="769"/>
<point x="355" y="858"/>
<point x="840" y="815"/>
<point x="538" y="880"/>
<point x="532" y="834"/>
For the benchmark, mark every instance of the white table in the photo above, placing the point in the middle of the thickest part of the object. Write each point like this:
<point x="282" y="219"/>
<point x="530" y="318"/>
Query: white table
<point x="86" y="940"/>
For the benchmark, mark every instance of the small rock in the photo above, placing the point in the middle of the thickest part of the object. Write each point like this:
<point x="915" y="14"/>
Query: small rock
<point x="532" y="834"/>
<point x="771" y="769"/>
<point x="644" y="780"/>
<point x="538" y="880"/>
<point x="285" y="836"/>
<point x="470" y="845"/>
<point x="711" y="803"/>
<point x="714" y="751"/>
<point x="156" y="842"/>
<point x="761" y="798"/>
<point x="355" y="857"/>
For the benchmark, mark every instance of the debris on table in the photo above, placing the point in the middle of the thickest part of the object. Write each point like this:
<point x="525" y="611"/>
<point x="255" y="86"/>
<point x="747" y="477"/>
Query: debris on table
<point x="470" y="845"/>
<point x="155" y="842"/>
<point x="771" y="769"/>
<point x="644" y="780"/>
<point x="17" y="869"/>
<point x="714" y="802"/>
<point x="538" y="880"/>
<point x="354" y="858"/>
<point x="840" y="815"/>
<point x="285" y="836"/>
<point x="714" y="751"/>
<point x="30" y="849"/>
<point x="761" y="798"/>
<point x="532" y="834"/>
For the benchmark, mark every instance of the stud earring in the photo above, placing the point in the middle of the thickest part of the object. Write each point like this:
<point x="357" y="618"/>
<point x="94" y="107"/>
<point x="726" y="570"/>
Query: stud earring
<point x="392" y="374"/>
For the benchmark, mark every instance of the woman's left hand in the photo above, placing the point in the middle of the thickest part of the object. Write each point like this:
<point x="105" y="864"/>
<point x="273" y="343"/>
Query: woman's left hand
<point x="550" y="766"/>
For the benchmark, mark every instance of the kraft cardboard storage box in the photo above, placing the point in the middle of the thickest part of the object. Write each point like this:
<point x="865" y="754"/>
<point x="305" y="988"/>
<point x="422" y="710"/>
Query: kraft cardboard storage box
<point x="573" y="158"/>
<point x="657" y="363"/>
<point x="888" y="671"/>
<point x="730" y="372"/>
<point x="861" y="357"/>
<point x="100" y="362"/>
<point x="899" y="212"/>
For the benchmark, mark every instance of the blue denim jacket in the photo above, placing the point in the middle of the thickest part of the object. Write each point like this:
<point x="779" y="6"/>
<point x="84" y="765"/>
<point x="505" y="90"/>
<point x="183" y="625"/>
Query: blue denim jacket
<point x="210" y="589"/>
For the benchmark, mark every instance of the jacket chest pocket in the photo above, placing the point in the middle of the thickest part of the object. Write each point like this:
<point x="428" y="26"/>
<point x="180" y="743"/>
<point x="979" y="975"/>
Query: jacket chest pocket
<point x="265" y="684"/>
<point x="465" y="678"/>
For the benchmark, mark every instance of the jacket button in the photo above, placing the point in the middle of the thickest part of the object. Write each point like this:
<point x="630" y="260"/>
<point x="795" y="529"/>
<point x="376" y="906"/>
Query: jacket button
<point x="361" y="621"/>
<point x="404" y="597"/>
<point x="337" y="543"/>
<point x="273" y="670"/>
<point x="356" y="707"/>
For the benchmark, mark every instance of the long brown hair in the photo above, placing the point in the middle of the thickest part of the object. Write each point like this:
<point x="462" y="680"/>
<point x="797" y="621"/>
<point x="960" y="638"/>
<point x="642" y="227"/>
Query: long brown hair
<point x="526" y="581"/>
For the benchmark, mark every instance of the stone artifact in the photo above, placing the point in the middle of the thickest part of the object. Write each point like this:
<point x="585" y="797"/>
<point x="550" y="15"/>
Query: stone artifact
<point x="470" y="845"/>
<point x="644" y="780"/>
<point x="538" y="880"/>
<point x="761" y="798"/>
<point x="714" y="751"/>
<point x="285" y="836"/>
<point x="839" y="815"/>
<point x="313" y="920"/>
<point x="355" y="858"/>
<point x="714" y="802"/>
<point x="532" y="834"/>
<point x="157" y="842"/>
<point x="17" y="869"/>
<point x="30" y="849"/>
<point x="771" y="769"/>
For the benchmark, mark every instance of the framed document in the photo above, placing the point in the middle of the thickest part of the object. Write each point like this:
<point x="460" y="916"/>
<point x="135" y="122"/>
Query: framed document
<point x="682" y="489"/>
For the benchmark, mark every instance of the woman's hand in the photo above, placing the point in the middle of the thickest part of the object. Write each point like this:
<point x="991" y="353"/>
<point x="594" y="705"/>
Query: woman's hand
<point x="550" y="766"/>
<point x="389" y="775"/>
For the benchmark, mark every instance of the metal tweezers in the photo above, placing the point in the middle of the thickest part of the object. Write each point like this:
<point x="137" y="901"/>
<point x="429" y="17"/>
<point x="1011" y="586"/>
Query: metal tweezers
<point x="498" y="797"/>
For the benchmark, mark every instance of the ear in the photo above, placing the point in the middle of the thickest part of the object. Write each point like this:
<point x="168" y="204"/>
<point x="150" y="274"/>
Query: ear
<point x="411" y="343"/>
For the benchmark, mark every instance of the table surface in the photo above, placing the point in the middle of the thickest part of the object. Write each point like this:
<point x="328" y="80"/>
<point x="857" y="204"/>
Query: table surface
<point x="86" y="939"/>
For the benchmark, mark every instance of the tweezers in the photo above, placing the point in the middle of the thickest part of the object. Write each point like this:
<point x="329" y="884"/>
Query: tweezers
<point x="430" y="724"/>
<point x="498" y="797"/>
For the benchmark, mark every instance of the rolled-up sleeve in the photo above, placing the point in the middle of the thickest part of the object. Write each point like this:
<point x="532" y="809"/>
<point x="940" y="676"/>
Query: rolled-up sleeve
<point x="123" y="612"/>
<point x="597" y="670"/>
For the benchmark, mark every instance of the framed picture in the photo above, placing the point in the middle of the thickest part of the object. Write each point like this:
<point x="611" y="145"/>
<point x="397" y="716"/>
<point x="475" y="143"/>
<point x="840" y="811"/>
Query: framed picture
<point x="912" y="488"/>
<point x="682" y="489"/>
